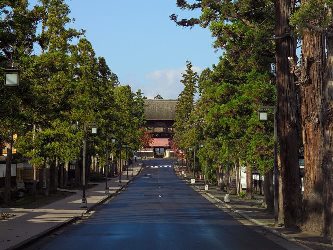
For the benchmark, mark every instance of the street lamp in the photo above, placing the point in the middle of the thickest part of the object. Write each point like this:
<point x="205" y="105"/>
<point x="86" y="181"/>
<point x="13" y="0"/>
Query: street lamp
<point x="106" y="166"/>
<point x="94" y="130"/>
<point x="113" y="142"/>
<point x="120" y="163"/>
<point x="194" y="162"/>
<point x="11" y="80"/>
<point x="263" y="116"/>
<point x="188" y="163"/>
<point x="126" y="161"/>
<point x="199" y="164"/>
<point x="190" y="149"/>
<point x="132" y="161"/>
<point x="12" y="77"/>
<point x="84" y="153"/>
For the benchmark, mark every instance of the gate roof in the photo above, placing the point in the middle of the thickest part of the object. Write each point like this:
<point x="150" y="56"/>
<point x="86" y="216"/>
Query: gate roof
<point x="160" y="109"/>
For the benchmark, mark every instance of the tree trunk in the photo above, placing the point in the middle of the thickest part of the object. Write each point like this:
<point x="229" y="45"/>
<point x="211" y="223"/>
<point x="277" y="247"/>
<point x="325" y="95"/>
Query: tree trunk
<point x="56" y="176"/>
<point x="239" y="184"/>
<point x="328" y="143"/>
<point x="223" y="185"/>
<point x="187" y="161"/>
<point x="93" y="165"/>
<point x="66" y="169"/>
<point x="268" y="190"/>
<point x="219" y="177"/>
<point x="287" y="115"/>
<point x="61" y="177"/>
<point x="227" y="180"/>
<point x="249" y="189"/>
<point x="34" y="183"/>
<point x="280" y="216"/>
<point x="40" y="187"/>
<point x="53" y="170"/>
<point x="237" y="180"/>
<point x="78" y="165"/>
<point x="46" y="179"/>
<point x="311" y="96"/>
<point x="52" y="176"/>
<point x="8" y="176"/>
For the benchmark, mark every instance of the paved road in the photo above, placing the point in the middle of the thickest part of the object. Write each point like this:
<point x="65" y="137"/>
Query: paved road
<point x="159" y="211"/>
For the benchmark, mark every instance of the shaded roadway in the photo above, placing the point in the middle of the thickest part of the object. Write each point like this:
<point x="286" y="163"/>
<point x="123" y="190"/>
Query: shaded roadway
<point x="159" y="211"/>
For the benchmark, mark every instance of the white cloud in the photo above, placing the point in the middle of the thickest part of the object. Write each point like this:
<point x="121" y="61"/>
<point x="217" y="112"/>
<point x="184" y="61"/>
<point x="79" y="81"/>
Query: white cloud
<point x="165" y="82"/>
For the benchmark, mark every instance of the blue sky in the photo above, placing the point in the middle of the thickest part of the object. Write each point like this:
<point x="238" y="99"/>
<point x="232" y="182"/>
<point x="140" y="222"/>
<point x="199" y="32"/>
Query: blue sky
<point x="141" y="45"/>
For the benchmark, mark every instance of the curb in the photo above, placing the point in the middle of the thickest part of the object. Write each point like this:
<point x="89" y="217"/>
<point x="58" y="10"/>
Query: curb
<point x="35" y="238"/>
<point x="254" y="221"/>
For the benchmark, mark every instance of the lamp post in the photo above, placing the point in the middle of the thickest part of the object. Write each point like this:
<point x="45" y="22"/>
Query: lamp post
<point x="106" y="166"/>
<point x="188" y="165"/>
<point x="199" y="164"/>
<point x="84" y="153"/>
<point x="263" y="116"/>
<point x="132" y="162"/>
<point x="84" y="200"/>
<point x="113" y="142"/>
<point x="120" y="163"/>
<point x="11" y="80"/>
<point x="186" y="158"/>
<point x="126" y="161"/>
<point x="194" y="162"/>
<point x="193" y="165"/>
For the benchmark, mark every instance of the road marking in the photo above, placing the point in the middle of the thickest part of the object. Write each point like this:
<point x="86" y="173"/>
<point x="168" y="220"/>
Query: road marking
<point x="162" y="166"/>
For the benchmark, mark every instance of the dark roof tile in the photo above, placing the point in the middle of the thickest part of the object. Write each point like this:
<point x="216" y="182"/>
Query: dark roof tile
<point x="160" y="109"/>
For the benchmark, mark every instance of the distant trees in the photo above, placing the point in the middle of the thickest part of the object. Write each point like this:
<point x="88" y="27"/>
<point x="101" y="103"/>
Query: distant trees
<point x="64" y="89"/>
<point x="184" y="107"/>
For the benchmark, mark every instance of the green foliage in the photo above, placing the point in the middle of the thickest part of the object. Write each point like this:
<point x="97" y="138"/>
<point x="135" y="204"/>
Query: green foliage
<point x="225" y="117"/>
<point x="185" y="125"/>
<point x="242" y="194"/>
<point x="63" y="90"/>
<point x="313" y="14"/>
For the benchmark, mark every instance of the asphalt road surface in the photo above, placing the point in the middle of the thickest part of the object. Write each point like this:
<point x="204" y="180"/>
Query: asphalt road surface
<point x="160" y="211"/>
